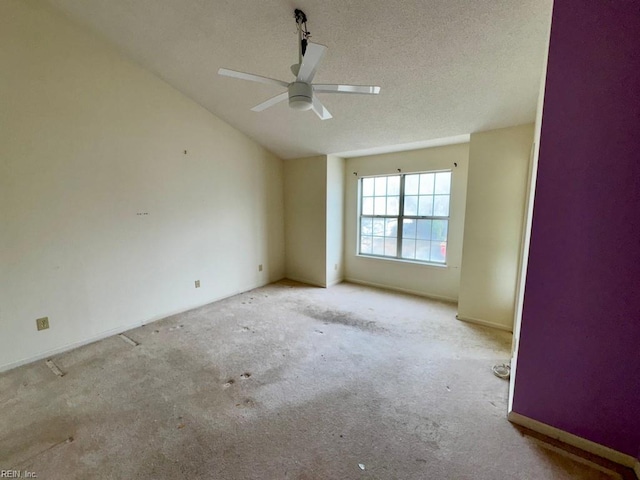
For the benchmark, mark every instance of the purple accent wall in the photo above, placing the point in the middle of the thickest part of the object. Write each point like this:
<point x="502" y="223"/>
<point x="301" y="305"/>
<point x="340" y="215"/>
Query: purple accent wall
<point x="579" y="356"/>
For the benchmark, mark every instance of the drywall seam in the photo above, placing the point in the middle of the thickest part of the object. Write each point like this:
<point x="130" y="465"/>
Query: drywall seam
<point x="109" y="333"/>
<point x="573" y="440"/>
<point x="485" y="323"/>
<point x="402" y="290"/>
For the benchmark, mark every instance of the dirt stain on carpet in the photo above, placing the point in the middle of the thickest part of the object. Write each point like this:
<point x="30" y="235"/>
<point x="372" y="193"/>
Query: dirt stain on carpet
<point x="328" y="315"/>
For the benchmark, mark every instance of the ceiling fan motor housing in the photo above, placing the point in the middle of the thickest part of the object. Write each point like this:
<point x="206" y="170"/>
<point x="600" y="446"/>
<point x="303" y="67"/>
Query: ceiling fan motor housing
<point x="300" y="96"/>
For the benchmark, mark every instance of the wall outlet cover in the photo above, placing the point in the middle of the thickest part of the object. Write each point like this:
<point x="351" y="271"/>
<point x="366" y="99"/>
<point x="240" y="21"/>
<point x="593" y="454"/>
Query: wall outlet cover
<point x="42" y="323"/>
<point x="197" y="283"/>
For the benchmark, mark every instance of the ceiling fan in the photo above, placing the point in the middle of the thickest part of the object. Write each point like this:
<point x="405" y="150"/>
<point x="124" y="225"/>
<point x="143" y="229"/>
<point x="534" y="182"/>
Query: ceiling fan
<point x="301" y="93"/>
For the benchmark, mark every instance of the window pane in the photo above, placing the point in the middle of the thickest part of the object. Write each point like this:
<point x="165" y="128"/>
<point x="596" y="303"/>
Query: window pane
<point x="378" y="227"/>
<point x="390" y="247"/>
<point x="365" y="244"/>
<point x="408" y="248"/>
<point x="438" y="252"/>
<point x="426" y="206"/>
<point x="410" y="205"/>
<point x="424" y="230"/>
<point x="367" y="187"/>
<point x="441" y="206"/>
<point x="367" y="206"/>
<point x="408" y="229"/>
<point x="440" y="230"/>
<point x="425" y="195"/>
<point x="426" y="183"/>
<point x="422" y="250"/>
<point x="366" y="226"/>
<point x="378" y="246"/>
<point x="380" y="205"/>
<point x="411" y="184"/>
<point x="393" y="185"/>
<point x="381" y="186"/>
<point x="393" y="205"/>
<point x="391" y="227"/>
<point x="443" y="182"/>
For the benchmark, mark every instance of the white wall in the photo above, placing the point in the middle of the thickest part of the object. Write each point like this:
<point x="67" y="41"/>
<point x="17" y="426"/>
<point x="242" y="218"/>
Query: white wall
<point x="499" y="162"/>
<point x="428" y="280"/>
<point x="305" y="194"/>
<point x="335" y="219"/>
<point x="106" y="222"/>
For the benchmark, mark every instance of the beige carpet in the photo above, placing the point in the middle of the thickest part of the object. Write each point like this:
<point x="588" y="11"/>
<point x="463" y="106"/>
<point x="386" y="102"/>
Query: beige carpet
<point x="283" y="382"/>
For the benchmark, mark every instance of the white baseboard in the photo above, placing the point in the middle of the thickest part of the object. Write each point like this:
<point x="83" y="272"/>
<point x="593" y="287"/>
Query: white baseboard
<point x="306" y="281"/>
<point x="335" y="282"/>
<point x="574" y="440"/>
<point x="113" y="331"/>
<point x="485" y="323"/>
<point x="401" y="290"/>
<point x="69" y="346"/>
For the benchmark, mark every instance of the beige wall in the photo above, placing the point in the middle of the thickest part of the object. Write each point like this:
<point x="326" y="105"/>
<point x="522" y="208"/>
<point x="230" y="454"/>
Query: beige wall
<point x="314" y="219"/>
<point x="305" y="194"/>
<point x="428" y="280"/>
<point x="106" y="222"/>
<point x="499" y="162"/>
<point x="335" y="219"/>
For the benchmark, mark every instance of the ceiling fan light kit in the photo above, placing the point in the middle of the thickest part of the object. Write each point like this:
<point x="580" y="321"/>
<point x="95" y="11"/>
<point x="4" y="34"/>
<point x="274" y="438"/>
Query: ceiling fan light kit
<point x="300" y="96"/>
<point x="301" y="93"/>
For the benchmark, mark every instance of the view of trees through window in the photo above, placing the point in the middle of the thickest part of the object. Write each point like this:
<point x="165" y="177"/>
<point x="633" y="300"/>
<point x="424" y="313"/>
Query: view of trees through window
<point x="419" y="202"/>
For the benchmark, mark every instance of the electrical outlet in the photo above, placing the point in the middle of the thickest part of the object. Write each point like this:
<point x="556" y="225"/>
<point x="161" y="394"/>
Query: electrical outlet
<point x="42" y="323"/>
<point x="197" y="283"/>
<point x="335" y="267"/>
<point x="260" y="267"/>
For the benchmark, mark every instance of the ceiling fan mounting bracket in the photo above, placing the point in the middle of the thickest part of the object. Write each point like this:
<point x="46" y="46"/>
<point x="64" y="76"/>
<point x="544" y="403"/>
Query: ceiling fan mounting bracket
<point x="299" y="16"/>
<point x="303" y="34"/>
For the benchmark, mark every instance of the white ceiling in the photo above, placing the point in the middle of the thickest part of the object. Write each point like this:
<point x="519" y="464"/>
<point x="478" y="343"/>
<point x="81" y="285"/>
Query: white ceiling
<point x="446" y="67"/>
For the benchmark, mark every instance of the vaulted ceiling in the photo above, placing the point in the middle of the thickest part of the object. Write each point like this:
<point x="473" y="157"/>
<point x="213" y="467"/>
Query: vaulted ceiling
<point x="446" y="67"/>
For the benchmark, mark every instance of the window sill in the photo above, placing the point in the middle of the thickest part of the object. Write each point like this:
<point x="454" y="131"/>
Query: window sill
<point x="403" y="260"/>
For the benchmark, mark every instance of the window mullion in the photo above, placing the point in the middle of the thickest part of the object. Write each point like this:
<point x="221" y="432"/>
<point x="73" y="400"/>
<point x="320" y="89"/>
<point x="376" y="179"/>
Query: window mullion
<point x="400" y="219"/>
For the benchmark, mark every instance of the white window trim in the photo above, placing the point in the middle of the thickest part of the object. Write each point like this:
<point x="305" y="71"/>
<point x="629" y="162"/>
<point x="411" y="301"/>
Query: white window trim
<point x="400" y="217"/>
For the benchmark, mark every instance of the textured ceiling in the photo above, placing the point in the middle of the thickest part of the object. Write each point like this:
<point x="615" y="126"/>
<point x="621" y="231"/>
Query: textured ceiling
<point x="446" y="67"/>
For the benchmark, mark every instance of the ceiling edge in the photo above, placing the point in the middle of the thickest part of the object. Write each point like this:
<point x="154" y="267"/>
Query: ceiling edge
<point x="436" y="142"/>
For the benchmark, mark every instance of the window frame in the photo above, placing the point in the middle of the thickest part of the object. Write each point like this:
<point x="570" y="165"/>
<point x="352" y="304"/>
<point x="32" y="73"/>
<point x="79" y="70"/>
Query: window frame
<point x="401" y="217"/>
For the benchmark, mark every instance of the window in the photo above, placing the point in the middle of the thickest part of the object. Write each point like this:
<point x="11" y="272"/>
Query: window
<point x="419" y="203"/>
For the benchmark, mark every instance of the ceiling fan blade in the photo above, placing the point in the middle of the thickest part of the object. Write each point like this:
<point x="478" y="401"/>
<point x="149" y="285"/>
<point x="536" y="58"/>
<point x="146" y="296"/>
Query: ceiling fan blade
<point x="251" y="77"/>
<point x="271" y="102"/>
<point x="359" y="89"/>
<point x="310" y="62"/>
<point x="320" y="109"/>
